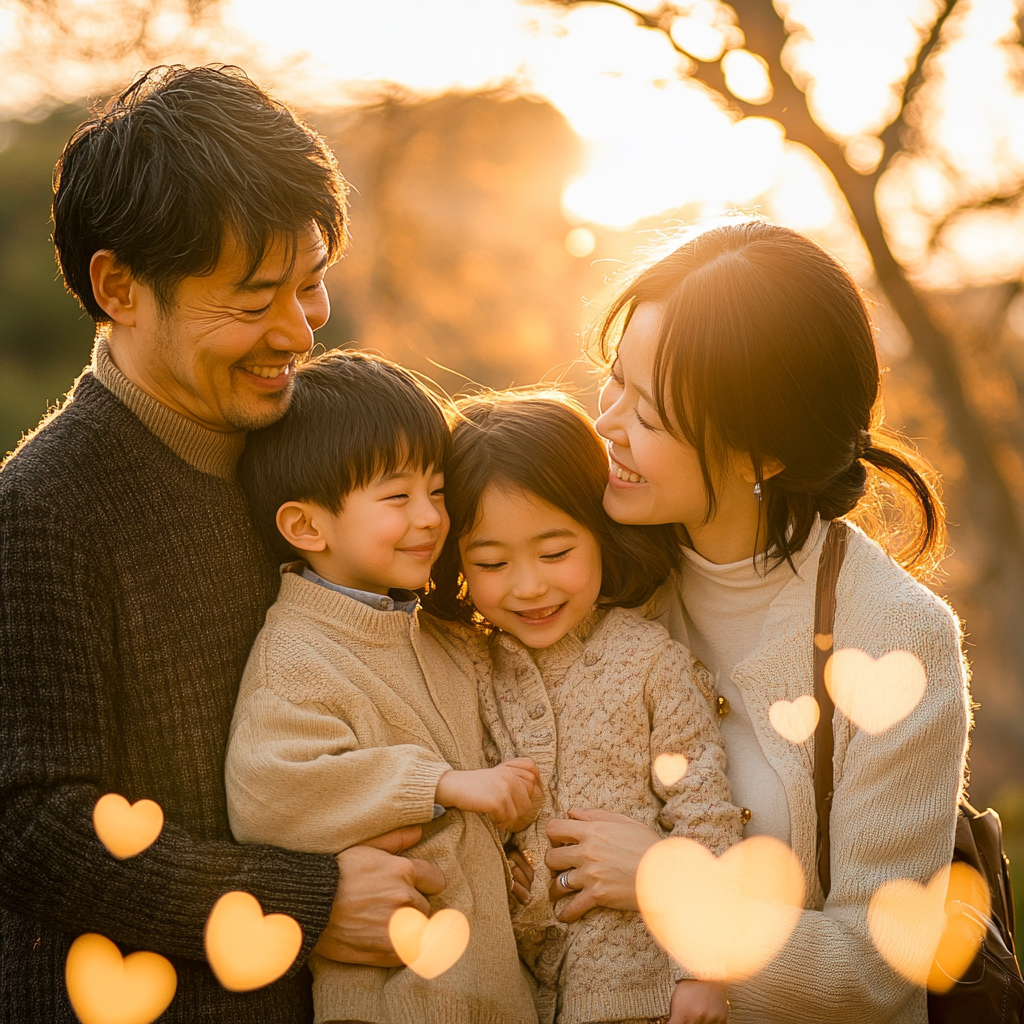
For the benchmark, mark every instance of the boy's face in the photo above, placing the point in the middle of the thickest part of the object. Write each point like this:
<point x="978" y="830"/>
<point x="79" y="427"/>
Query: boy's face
<point x="387" y="534"/>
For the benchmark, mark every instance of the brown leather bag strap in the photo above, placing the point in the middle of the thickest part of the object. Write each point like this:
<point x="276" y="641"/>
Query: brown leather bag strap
<point x="832" y="554"/>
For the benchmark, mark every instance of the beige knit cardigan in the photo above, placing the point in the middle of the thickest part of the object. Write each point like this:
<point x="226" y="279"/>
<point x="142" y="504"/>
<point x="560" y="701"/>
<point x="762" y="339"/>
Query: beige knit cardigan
<point x="346" y="718"/>
<point x="593" y="711"/>
<point x="896" y="794"/>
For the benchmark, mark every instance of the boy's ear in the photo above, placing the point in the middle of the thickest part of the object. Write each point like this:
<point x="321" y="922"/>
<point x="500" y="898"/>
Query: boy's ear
<point x="296" y="523"/>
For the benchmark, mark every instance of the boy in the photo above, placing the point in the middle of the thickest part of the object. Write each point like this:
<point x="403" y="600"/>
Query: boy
<point x="351" y="720"/>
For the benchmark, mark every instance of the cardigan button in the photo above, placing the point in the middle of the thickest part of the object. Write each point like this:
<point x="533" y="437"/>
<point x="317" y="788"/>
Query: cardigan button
<point x="591" y="658"/>
<point x="537" y="711"/>
<point x="723" y="707"/>
<point x="745" y="814"/>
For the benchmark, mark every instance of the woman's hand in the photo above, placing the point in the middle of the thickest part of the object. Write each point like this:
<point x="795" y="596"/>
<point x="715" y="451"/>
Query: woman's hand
<point x="601" y="852"/>
<point x="522" y="875"/>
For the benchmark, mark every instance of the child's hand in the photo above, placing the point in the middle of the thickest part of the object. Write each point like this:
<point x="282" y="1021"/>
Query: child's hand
<point x="504" y="793"/>
<point x="699" y="1002"/>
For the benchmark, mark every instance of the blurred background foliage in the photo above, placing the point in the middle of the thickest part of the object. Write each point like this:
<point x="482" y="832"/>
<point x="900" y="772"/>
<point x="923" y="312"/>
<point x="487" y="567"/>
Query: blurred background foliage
<point x="491" y="206"/>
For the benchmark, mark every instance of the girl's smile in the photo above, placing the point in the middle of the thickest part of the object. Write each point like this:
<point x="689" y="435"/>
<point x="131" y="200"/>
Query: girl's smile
<point x="531" y="569"/>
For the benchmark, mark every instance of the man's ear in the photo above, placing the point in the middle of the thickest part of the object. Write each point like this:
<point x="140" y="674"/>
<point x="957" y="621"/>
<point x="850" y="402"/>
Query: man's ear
<point x="296" y="521"/>
<point x="114" y="288"/>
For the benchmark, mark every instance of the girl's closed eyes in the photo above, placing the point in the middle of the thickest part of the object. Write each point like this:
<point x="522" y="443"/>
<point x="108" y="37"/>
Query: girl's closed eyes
<point x="530" y="568"/>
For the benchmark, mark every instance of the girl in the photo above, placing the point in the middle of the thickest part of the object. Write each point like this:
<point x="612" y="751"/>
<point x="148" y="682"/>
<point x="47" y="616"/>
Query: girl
<point x="743" y="406"/>
<point x="580" y="683"/>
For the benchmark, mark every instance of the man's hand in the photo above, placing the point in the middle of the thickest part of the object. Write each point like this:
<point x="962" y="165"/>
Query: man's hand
<point x="372" y="884"/>
<point x="699" y="1002"/>
<point x="504" y="793"/>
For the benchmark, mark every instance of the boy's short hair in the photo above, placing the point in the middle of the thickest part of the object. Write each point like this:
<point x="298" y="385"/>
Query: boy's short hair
<point x="178" y="161"/>
<point x="352" y="416"/>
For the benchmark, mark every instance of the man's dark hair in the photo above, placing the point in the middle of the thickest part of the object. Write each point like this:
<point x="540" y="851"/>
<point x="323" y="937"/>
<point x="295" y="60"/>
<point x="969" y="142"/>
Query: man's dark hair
<point x="352" y="416"/>
<point x="178" y="160"/>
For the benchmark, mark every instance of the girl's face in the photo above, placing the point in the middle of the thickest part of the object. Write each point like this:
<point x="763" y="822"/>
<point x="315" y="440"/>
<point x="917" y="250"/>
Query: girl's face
<point x="531" y="569"/>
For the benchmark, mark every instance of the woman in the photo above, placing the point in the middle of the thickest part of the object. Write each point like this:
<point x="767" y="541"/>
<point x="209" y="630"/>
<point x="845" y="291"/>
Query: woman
<point x="743" y="406"/>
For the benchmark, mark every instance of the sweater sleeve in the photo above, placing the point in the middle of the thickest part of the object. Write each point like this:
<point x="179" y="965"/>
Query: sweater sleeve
<point x="698" y="804"/>
<point x="58" y="753"/>
<point x="297" y="777"/>
<point x="893" y="816"/>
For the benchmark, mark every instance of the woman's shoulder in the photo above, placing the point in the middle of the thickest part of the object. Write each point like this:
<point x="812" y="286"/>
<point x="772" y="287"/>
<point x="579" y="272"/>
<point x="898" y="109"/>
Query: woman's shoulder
<point x="873" y="590"/>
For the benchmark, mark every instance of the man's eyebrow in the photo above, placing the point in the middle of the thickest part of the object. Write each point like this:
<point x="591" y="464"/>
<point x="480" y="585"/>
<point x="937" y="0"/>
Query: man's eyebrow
<point x="562" y="531"/>
<point x="261" y="284"/>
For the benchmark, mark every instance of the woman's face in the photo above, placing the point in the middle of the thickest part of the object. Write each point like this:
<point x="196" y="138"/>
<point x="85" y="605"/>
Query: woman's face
<point x="654" y="477"/>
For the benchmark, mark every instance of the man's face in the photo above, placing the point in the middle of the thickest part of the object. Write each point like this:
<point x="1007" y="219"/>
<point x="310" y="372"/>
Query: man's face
<point x="223" y="353"/>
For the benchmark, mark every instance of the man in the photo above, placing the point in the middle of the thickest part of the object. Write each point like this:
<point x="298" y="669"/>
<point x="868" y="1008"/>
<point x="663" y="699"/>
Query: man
<point x="194" y="220"/>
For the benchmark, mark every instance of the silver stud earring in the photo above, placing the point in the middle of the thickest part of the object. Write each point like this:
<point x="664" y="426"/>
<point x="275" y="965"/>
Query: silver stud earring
<point x="757" y="491"/>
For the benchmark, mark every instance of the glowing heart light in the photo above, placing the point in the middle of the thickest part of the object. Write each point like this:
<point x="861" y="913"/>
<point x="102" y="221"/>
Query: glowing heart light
<point x="670" y="768"/>
<point x="875" y="695"/>
<point x="246" y="949"/>
<point x="724" y="917"/>
<point x="931" y="933"/>
<point x="106" y="988"/>
<point x="794" y="720"/>
<point x="127" y="829"/>
<point x="429" y="946"/>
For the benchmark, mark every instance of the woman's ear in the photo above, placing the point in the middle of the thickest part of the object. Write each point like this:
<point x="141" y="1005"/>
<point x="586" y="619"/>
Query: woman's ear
<point x="114" y="288"/>
<point x="770" y="467"/>
<point x="296" y="521"/>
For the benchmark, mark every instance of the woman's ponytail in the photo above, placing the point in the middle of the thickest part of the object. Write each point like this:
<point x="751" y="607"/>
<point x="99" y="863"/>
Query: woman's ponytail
<point x="902" y="507"/>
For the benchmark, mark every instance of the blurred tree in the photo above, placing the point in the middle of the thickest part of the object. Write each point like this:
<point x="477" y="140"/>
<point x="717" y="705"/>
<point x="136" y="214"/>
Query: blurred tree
<point x="458" y="257"/>
<point x="963" y="367"/>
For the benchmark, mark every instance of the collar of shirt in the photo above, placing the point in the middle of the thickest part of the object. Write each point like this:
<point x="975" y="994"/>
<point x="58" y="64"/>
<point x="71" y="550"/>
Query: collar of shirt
<point x="396" y="600"/>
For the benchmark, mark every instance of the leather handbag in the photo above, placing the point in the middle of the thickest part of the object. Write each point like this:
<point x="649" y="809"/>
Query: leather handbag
<point x="991" y="991"/>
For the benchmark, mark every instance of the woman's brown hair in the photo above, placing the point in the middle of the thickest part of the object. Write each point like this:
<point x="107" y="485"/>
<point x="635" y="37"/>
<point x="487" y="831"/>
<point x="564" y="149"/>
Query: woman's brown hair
<point x="544" y="443"/>
<point x="766" y="348"/>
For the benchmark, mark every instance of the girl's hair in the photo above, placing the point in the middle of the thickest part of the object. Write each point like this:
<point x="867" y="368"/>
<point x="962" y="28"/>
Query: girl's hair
<point x="766" y="348"/>
<point x="544" y="443"/>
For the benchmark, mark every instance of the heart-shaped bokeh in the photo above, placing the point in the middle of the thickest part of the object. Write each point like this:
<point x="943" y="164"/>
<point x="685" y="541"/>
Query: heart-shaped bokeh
<point x="429" y="946"/>
<point x="127" y="829"/>
<point x="875" y="694"/>
<point x="670" y="768"/>
<point x="246" y="949"/>
<point x="723" y="918"/>
<point x="931" y="933"/>
<point x="794" y="720"/>
<point x="106" y="988"/>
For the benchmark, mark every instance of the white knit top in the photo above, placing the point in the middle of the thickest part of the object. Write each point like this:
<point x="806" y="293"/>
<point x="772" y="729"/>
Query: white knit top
<point x="895" y="806"/>
<point x="725" y="608"/>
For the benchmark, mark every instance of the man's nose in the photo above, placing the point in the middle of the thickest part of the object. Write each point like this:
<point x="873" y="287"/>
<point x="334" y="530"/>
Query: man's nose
<point x="292" y="331"/>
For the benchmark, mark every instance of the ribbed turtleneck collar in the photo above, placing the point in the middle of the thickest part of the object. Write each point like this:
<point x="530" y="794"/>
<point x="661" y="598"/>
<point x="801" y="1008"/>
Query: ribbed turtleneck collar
<point x="209" y="451"/>
<point x="749" y="572"/>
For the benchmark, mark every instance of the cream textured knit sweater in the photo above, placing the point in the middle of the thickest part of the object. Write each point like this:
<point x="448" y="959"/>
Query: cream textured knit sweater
<point x="346" y="718"/>
<point x="593" y="711"/>
<point x="895" y="806"/>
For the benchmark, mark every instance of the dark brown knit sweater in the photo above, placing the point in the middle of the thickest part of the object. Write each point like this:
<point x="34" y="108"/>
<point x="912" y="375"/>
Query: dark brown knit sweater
<point x="132" y="586"/>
